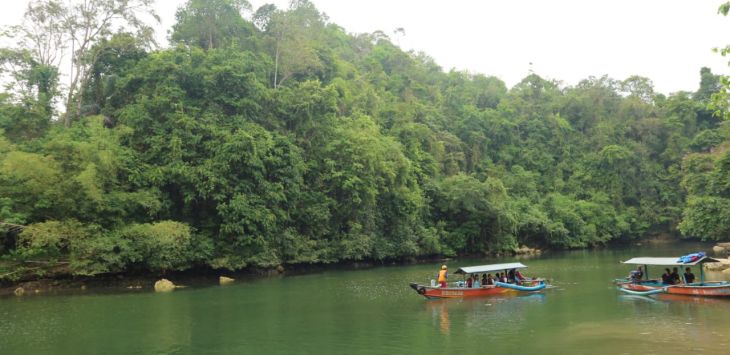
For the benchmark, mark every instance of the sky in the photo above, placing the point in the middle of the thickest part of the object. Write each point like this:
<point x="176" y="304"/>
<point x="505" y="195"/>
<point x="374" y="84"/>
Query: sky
<point x="667" y="41"/>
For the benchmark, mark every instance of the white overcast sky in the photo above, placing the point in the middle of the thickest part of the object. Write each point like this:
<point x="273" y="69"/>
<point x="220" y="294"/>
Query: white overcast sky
<point x="667" y="41"/>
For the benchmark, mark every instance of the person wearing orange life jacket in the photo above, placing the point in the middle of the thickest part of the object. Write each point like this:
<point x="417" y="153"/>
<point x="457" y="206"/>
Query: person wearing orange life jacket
<point x="443" y="275"/>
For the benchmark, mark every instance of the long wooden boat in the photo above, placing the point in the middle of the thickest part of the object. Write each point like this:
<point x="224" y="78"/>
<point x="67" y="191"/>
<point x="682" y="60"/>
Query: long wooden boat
<point x="648" y="286"/>
<point x="457" y="291"/>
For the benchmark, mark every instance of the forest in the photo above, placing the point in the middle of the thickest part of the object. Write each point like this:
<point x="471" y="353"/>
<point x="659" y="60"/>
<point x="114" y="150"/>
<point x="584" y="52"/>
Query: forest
<point x="265" y="137"/>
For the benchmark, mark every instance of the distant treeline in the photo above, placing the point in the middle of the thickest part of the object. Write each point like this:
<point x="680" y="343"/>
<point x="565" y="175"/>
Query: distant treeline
<point x="276" y="137"/>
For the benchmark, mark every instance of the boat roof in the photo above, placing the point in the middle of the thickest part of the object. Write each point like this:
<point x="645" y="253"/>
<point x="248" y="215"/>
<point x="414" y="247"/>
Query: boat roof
<point x="489" y="268"/>
<point x="644" y="260"/>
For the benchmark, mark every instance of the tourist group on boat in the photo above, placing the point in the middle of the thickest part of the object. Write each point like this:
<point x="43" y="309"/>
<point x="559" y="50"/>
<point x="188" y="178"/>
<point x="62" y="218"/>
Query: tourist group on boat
<point x="640" y="283"/>
<point x="480" y="281"/>
<point x="495" y="279"/>
<point x="669" y="277"/>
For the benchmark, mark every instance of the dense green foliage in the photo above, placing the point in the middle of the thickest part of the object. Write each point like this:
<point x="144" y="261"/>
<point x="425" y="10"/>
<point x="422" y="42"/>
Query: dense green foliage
<point x="284" y="139"/>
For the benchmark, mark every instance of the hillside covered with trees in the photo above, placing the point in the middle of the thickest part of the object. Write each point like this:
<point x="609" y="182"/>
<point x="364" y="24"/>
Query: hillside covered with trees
<point x="272" y="136"/>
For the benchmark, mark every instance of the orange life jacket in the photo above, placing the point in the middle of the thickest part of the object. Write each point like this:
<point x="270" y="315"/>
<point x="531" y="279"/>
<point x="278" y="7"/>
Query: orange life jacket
<point x="442" y="276"/>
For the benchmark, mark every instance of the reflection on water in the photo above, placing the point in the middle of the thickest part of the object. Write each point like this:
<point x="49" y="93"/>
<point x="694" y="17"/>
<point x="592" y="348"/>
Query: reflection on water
<point x="482" y="312"/>
<point x="375" y="312"/>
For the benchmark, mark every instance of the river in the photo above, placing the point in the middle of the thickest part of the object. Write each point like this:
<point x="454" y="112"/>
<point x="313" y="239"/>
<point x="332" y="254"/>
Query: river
<point x="373" y="311"/>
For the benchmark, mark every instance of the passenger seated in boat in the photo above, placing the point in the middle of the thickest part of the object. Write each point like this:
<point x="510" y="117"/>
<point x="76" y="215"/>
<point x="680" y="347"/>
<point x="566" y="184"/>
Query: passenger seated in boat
<point x="689" y="277"/>
<point x="476" y="284"/>
<point x="636" y="275"/>
<point x="511" y="278"/>
<point x="490" y="279"/>
<point x="519" y="277"/>
<point x="667" y="277"/>
<point x="485" y="280"/>
<point x="502" y="277"/>
<point x="675" y="276"/>
<point x="469" y="282"/>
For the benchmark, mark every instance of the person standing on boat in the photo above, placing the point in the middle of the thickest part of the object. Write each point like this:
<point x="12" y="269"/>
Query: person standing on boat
<point x="469" y="282"/>
<point x="443" y="275"/>
<point x="689" y="277"/>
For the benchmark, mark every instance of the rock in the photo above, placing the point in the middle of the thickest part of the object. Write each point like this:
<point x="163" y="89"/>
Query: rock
<point x="724" y="261"/>
<point x="726" y="271"/>
<point x="725" y="245"/>
<point x="714" y="266"/>
<point x="225" y="280"/>
<point x="164" y="285"/>
<point x="280" y="269"/>
<point x="83" y="287"/>
<point x="718" y="249"/>
<point x="19" y="291"/>
<point x="525" y="250"/>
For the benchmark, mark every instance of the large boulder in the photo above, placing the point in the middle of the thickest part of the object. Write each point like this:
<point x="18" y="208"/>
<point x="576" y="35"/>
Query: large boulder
<point x="225" y="280"/>
<point x="726" y="271"/>
<point x="19" y="291"/>
<point x="164" y="285"/>
<point x="715" y="266"/>
<point x="718" y="249"/>
<point x="525" y="250"/>
<point x="725" y="245"/>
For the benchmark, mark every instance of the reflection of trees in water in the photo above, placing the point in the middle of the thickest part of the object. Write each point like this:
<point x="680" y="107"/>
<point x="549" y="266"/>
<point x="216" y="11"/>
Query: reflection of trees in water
<point x="687" y="323"/>
<point x="493" y="317"/>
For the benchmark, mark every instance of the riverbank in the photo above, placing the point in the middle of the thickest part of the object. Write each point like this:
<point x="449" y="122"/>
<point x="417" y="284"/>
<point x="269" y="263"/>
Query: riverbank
<point x="59" y="281"/>
<point x="721" y="252"/>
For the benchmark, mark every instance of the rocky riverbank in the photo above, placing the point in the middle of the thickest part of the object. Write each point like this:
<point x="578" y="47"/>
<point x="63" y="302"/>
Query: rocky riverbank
<point x="61" y="282"/>
<point x="721" y="252"/>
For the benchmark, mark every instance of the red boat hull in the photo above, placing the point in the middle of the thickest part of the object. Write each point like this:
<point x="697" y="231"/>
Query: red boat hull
<point x="706" y="290"/>
<point x="463" y="292"/>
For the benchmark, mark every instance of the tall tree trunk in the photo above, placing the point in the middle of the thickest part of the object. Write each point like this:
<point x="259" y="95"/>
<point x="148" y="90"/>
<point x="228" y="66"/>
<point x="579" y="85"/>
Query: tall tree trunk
<point x="67" y="114"/>
<point x="276" y="63"/>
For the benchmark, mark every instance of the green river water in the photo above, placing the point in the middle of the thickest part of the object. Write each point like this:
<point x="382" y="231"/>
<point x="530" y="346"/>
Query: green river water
<point x="374" y="311"/>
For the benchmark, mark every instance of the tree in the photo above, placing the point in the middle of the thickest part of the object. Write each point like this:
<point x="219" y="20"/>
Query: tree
<point x="709" y="84"/>
<point x="40" y="45"/>
<point x="639" y="87"/>
<point x="294" y="34"/>
<point x="50" y="25"/>
<point x="211" y="23"/>
<point x="86" y="23"/>
<point x="721" y="98"/>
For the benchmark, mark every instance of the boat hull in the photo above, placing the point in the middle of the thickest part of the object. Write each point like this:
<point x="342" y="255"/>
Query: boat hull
<point x="718" y="289"/>
<point x="463" y="292"/>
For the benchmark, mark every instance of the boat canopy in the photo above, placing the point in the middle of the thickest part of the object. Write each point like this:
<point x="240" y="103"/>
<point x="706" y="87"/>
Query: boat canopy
<point x="489" y="268"/>
<point x="668" y="261"/>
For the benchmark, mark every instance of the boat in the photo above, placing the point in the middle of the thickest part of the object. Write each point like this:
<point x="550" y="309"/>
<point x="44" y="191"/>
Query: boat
<point x="647" y="286"/>
<point x="459" y="289"/>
